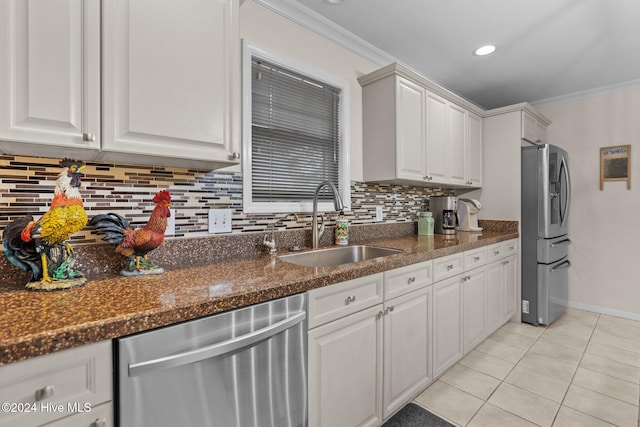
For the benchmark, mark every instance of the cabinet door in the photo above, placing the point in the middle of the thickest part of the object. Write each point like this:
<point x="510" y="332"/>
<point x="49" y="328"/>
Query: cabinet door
<point x="345" y="371"/>
<point x="494" y="300"/>
<point x="528" y="127"/>
<point x="447" y="324"/>
<point x="541" y="133"/>
<point x="457" y="144"/>
<point x="509" y="283"/>
<point x="436" y="139"/>
<point x="410" y="118"/>
<point x="475" y="155"/>
<point x="50" y="77"/>
<point x="473" y="314"/>
<point x="171" y="73"/>
<point x="407" y="348"/>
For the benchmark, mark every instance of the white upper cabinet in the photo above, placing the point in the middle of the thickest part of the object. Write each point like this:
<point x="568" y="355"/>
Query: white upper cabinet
<point x="171" y="79"/>
<point x="166" y="88"/>
<point x="474" y="164"/>
<point x="533" y="130"/>
<point x="412" y="134"/>
<point x="50" y="77"/>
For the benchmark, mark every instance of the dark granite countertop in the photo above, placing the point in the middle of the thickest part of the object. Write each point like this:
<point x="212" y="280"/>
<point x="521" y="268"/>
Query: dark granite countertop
<point x="37" y="323"/>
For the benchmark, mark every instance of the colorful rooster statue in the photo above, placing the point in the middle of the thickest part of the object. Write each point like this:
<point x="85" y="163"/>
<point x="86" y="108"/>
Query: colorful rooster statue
<point x="136" y="243"/>
<point x="41" y="246"/>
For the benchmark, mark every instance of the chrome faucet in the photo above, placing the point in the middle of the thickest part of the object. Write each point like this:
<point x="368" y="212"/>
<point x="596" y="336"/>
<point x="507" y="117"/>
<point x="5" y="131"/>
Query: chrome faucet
<point x="337" y="204"/>
<point x="271" y="244"/>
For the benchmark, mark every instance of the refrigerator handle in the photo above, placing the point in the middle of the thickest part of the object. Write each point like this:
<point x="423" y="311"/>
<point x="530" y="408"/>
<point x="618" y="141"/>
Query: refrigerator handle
<point x="565" y="213"/>
<point x="562" y="266"/>
<point x="564" y="242"/>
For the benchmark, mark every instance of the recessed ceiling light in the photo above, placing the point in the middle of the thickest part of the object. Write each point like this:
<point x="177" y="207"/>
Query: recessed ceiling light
<point x="484" y="50"/>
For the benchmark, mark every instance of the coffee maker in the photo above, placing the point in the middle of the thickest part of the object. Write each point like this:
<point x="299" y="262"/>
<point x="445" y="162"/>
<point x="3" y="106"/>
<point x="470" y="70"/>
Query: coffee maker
<point x="445" y="209"/>
<point x="468" y="214"/>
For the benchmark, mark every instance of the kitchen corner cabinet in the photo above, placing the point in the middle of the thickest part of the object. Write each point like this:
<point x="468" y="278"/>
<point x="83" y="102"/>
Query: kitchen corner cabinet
<point x="171" y="93"/>
<point x="107" y="81"/>
<point x="68" y="388"/>
<point x="50" y="78"/>
<point x="414" y="135"/>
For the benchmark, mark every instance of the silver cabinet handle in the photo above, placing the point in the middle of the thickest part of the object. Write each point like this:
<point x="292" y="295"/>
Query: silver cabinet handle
<point x="380" y="314"/>
<point x="496" y="252"/>
<point x="388" y="310"/>
<point x="350" y="299"/>
<point x="476" y="258"/>
<point x="428" y="178"/>
<point x="449" y="267"/>
<point x="505" y="262"/>
<point x="88" y="137"/>
<point x="45" y="392"/>
<point x="99" y="423"/>
<point x="235" y="156"/>
<point x="217" y="349"/>
<point x="411" y="280"/>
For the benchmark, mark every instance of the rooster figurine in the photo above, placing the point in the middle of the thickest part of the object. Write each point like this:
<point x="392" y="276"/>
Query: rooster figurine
<point x="41" y="246"/>
<point x="136" y="243"/>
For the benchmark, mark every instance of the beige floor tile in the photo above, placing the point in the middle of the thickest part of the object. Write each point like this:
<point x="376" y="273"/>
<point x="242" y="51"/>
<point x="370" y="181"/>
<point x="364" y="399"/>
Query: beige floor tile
<point x="543" y="385"/>
<point x="610" y="386"/>
<point x="614" y="353"/>
<point x="546" y="365"/>
<point x="523" y="329"/>
<point x="492" y="416"/>
<point x="558" y="352"/>
<point x="449" y="402"/>
<point x="525" y="404"/>
<point x="501" y="350"/>
<point x="575" y="329"/>
<point x="513" y="339"/>
<point x="471" y="381"/>
<point x="487" y="364"/>
<point x="605" y="337"/>
<point x="560" y="337"/>
<point x="611" y="367"/>
<point x="600" y="406"/>
<point x="625" y="328"/>
<point x="569" y="417"/>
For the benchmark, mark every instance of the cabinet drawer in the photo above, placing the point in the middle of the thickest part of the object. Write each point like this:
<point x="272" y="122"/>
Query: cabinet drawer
<point x="335" y="301"/>
<point x="448" y="266"/>
<point x="475" y="258"/>
<point x="64" y="380"/>
<point x="510" y="247"/>
<point x="495" y="251"/>
<point x="406" y="279"/>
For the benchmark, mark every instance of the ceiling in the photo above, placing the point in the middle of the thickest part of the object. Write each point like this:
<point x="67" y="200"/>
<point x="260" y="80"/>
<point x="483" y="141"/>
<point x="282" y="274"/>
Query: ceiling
<point x="545" y="48"/>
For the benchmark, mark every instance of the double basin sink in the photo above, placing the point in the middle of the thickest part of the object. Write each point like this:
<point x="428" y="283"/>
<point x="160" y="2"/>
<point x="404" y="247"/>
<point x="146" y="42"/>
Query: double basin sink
<point x="337" y="256"/>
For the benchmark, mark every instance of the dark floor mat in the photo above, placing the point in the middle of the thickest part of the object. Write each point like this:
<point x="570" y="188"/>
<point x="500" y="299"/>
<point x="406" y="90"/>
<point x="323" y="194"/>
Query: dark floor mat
<point x="413" y="415"/>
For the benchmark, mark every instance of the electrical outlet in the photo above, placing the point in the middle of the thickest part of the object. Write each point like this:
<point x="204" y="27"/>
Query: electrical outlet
<point x="378" y="213"/>
<point x="219" y="221"/>
<point x="171" y="224"/>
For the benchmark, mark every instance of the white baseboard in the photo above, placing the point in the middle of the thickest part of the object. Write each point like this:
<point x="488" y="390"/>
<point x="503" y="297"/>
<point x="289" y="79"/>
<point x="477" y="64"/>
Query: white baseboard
<point x="604" y="310"/>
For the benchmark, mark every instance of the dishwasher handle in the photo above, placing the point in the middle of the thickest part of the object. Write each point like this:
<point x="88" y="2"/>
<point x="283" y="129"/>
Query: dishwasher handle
<point x="217" y="349"/>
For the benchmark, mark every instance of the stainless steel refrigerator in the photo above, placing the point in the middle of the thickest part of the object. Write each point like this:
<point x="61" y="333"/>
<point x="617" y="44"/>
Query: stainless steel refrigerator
<point x="546" y="200"/>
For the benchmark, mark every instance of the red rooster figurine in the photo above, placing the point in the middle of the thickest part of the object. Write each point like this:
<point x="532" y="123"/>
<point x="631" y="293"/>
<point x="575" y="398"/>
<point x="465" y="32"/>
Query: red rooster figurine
<point x="136" y="243"/>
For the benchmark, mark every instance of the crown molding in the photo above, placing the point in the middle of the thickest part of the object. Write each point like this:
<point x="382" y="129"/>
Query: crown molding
<point x="589" y="93"/>
<point x="317" y="23"/>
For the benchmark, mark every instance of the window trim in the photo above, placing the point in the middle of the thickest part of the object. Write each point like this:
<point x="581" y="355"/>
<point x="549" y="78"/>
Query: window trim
<point x="249" y="206"/>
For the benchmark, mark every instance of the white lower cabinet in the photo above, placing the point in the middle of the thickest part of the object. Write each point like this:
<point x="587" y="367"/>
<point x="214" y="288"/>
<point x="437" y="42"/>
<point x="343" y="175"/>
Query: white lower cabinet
<point x="407" y="348"/>
<point x="473" y="308"/>
<point x="68" y="388"/>
<point x="509" y="283"/>
<point x="447" y="324"/>
<point x="345" y="371"/>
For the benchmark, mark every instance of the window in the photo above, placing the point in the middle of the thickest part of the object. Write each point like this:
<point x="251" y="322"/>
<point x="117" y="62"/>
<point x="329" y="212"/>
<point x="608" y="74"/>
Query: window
<point x="293" y="135"/>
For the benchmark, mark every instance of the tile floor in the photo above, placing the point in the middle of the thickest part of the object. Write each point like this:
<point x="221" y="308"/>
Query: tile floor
<point x="583" y="370"/>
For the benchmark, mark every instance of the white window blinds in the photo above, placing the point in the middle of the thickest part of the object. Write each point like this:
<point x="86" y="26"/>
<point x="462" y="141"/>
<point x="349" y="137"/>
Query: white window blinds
<point x="296" y="137"/>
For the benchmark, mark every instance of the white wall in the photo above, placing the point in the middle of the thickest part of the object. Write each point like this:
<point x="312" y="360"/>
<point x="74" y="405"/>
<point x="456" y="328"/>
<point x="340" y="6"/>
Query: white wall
<point x="284" y="37"/>
<point x="605" y="225"/>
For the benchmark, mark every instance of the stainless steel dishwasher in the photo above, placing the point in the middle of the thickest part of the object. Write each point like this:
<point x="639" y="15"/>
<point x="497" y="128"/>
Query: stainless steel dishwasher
<point x="242" y="368"/>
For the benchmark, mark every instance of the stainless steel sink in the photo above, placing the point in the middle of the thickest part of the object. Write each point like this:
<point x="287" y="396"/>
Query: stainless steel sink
<point x="336" y="256"/>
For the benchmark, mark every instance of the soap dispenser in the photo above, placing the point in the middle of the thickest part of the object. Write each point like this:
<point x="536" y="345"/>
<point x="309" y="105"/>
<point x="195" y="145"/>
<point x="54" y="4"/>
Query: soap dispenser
<point x="342" y="230"/>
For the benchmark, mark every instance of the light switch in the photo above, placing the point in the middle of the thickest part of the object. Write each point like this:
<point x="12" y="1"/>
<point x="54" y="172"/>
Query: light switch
<point x="219" y="221"/>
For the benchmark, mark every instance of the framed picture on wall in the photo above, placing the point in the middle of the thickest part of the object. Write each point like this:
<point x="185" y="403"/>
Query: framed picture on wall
<point x="615" y="164"/>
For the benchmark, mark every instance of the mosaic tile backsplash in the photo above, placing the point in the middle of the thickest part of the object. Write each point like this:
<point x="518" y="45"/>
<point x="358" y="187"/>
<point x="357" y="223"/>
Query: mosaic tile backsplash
<point x="27" y="183"/>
